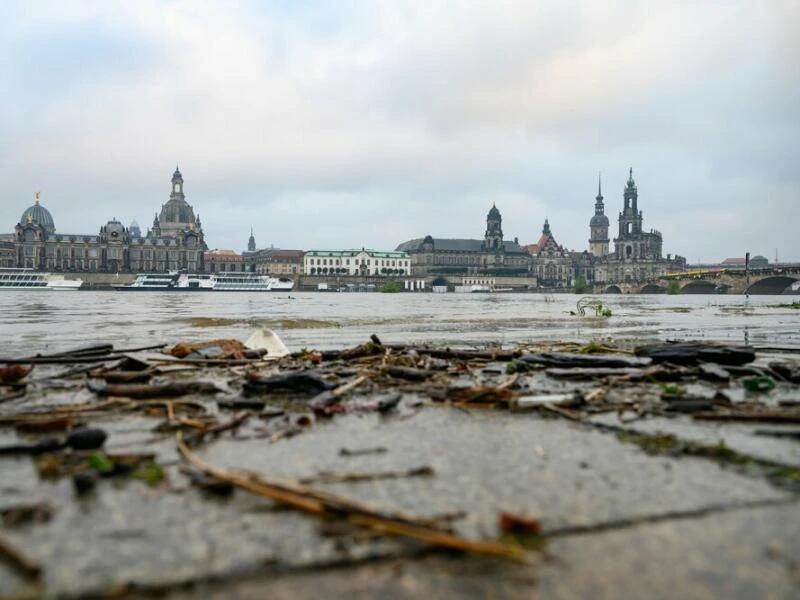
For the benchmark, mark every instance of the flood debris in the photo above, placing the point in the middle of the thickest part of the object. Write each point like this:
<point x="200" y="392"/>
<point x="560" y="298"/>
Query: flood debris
<point x="14" y="373"/>
<point x="691" y="353"/>
<point x="793" y="434"/>
<point x="21" y="514"/>
<point x="362" y="451"/>
<point x="306" y="382"/>
<point x="16" y="559"/>
<point x="529" y="402"/>
<point x="518" y="523"/>
<point x="79" y="439"/>
<point x="165" y="390"/>
<point x="756" y="414"/>
<point x="331" y="477"/>
<point x="47" y="425"/>
<point x="323" y="503"/>
<point x="223" y="348"/>
<point x="572" y="361"/>
<point x="760" y="383"/>
<point x="409" y="373"/>
<point x="268" y="341"/>
<point x="218" y="404"/>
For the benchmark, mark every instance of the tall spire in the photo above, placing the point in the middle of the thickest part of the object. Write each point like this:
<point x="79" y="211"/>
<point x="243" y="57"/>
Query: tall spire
<point x="599" y="208"/>
<point x="251" y="242"/>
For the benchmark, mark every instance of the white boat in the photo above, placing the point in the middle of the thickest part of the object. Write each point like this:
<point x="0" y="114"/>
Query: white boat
<point x="153" y="282"/>
<point x="206" y="282"/>
<point x="250" y="282"/>
<point x="473" y="289"/>
<point x="28" y="279"/>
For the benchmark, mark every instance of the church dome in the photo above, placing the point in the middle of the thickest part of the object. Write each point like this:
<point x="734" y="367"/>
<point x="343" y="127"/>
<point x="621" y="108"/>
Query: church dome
<point x="599" y="221"/>
<point x="39" y="215"/>
<point x="493" y="213"/>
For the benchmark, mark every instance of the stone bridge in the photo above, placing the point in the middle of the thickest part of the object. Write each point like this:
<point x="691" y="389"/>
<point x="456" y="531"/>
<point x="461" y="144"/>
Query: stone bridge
<point x="771" y="281"/>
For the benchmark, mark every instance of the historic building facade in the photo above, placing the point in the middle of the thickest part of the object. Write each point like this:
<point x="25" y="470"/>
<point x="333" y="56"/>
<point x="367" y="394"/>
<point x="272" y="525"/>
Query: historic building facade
<point x="221" y="261"/>
<point x="364" y="263"/>
<point x="279" y="262"/>
<point x="490" y="256"/>
<point x="272" y="261"/>
<point x="175" y="241"/>
<point x="551" y="263"/>
<point x="637" y="255"/>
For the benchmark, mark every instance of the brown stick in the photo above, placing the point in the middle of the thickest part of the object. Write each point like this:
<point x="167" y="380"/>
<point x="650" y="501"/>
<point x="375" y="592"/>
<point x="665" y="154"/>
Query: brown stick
<point x="19" y="561"/>
<point x="319" y="502"/>
<point x="758" y="417"/>
<point x="327" y="477"/>
<point x="343" y="389"/>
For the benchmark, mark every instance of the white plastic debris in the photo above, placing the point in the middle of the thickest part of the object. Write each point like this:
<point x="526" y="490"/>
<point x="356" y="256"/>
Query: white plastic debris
<point x="268" y="340"/>
<point x="524" y="402"/>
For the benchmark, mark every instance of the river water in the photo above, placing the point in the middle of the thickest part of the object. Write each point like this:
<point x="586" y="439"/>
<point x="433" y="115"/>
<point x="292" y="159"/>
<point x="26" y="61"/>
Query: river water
<point x="55" y="321"/>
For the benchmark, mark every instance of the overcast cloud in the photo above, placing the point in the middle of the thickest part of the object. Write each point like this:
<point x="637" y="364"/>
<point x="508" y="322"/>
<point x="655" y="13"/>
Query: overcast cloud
<point x="347" y="124"/>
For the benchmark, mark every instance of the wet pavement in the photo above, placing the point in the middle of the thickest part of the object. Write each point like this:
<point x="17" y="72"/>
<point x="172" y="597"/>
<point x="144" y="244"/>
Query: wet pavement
<point x="621" y="508"/>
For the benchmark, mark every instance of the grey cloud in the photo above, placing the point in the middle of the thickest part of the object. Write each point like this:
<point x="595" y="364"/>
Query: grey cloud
<point x="368" y="124"/>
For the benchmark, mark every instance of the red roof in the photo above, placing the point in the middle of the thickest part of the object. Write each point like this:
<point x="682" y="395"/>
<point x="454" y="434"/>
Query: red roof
<point x="288" y="254"/>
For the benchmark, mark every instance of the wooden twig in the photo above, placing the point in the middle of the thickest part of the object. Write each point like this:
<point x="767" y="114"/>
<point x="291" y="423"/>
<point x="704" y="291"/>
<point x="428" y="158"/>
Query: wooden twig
<point x="327" y="477"/>
<point x="19" y="561"/>
<point x="320" y="502"/>
<point x="350" y="385"/>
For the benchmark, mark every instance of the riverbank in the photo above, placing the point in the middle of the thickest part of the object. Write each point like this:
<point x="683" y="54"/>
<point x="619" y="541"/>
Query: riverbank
<point x="588" y="468"/>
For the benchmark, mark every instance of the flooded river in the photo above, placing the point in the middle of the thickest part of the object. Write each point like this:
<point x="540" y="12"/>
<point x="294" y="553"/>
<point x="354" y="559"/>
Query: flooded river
<point x="53" y="321"/>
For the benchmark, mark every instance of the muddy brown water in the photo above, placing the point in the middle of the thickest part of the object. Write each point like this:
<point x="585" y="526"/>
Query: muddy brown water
<point x="55" y="321"/>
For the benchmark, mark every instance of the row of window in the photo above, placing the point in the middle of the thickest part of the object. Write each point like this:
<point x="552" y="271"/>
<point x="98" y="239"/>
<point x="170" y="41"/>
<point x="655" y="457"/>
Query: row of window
<point x="338" y="262"/>
<point x="344" y="272"/>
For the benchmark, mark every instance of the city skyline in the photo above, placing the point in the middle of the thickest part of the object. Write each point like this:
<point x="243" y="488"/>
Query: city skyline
<point x="369" y="124"/>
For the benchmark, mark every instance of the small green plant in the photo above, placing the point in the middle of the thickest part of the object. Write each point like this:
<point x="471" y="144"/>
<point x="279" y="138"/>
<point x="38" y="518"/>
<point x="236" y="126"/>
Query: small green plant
<point x="760" y="383"/>
<point x="673" y="288"/>
<point x="152" y="475"/>
<point x="672" y="389"/>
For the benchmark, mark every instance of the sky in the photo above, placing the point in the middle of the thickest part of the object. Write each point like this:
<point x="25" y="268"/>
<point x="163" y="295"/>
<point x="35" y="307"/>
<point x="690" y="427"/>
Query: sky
<point x="353" y="124"/>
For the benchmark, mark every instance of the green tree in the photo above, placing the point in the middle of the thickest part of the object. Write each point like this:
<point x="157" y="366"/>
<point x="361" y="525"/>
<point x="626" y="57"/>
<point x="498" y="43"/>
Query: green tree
<point x="391" y="287"/>
<point x="581" y="287"/>
<point x="673" y="288"/>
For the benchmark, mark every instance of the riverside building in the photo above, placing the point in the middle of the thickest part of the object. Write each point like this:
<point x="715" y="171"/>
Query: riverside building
<point x="493" y="255"/>
<point x="175" y="241"/>
<point x="637" y="255"/>
<point x="363" y="263"/>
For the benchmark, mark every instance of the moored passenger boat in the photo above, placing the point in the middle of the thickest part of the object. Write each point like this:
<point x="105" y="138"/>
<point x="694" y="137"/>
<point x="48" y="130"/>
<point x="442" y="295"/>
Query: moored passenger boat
<point x="28" y="279"/>
<point x="206" y="282"/>
<point x="250" y="282"/>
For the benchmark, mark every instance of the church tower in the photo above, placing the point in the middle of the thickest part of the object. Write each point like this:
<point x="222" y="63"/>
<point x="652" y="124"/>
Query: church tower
<point x="493" y="239"/>
<point x="632" y="243"/>
<point x="598" y="226"/>
<point x="251" y="242"/>
<point x="177" y="185"/>
<point x="630" y="219"/>
<point x="177" y="216"/>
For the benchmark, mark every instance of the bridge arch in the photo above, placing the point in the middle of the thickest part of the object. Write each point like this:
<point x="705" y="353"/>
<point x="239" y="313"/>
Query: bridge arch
<point x="771" y="285"/>
<point x="699" y="287"/>
<point x="439" y="282"/>
<point x="652" y="288"/>
<point x="613" y="289"/>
